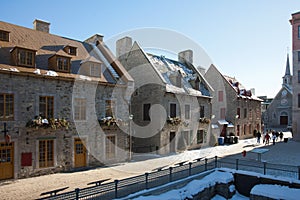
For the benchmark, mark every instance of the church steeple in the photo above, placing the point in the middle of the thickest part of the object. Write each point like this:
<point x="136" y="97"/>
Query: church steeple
<point x="287" y="78"/>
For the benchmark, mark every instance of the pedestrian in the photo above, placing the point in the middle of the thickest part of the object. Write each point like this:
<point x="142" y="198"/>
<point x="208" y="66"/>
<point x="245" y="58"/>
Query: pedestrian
<point x="274" y="138"/>
<point x="258" y="136"/>
<point x="267" y="138"/>
<point x="281" y="135"/>
<point x="277" y="135"/>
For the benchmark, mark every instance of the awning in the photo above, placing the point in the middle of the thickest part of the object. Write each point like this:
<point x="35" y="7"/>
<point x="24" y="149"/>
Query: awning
<point x="222" y="122"/>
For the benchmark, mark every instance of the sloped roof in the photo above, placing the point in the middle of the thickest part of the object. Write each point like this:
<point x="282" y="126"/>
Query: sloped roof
<point x="47" y="45"/>
<point x="168" y="67"/>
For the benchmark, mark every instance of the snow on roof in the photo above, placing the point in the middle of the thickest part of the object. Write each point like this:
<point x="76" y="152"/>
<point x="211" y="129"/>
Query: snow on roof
<point x="276" y="191"/>
<point x="171" y="68"/>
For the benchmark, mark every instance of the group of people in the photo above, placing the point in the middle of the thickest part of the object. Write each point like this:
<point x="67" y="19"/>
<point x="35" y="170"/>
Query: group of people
<point x="269" y="135"/>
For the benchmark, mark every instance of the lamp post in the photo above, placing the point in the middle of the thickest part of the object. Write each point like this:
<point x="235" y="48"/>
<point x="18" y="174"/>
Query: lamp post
<point x="130" y="137"/>
<point x="236" y="117"/>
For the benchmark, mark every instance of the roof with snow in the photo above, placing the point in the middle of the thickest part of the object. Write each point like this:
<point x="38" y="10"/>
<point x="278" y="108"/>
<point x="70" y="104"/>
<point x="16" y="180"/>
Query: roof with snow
<point x="180" y="78"/>
<point x="47" y="45"/>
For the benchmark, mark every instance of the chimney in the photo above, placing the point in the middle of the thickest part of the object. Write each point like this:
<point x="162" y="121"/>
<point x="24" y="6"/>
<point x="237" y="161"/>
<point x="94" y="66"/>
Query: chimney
<point x="40" y="25"/>
<point x="123" y="46"/>
<point x="186" y="56"/>
<point x="95" y="39"/>
<point x="201" y="70"/>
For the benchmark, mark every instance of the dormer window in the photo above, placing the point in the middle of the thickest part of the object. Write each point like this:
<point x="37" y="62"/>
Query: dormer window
<point x="4" y="36"/>
<point x="90" y="67"/>
<point x="23" y="57"/>
<point x="70" y="50"/>
<point x="60" y="63"/>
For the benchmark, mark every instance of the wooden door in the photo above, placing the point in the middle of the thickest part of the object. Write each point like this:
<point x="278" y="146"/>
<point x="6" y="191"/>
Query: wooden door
<point x="80" y="153"/>
<point x="172" y="142"/>
<point x="284" y="120"/>
<point x="6" y="160"/>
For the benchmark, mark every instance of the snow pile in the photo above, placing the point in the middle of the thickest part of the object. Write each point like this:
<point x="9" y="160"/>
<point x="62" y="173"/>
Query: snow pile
<point x="194" y="187"/>
<point x="276" y="191"/>
<point x="14" y="70"/>
<point x="37" y="71"/>
<point x="51" y="73"/>
<point x="84" y="77"/>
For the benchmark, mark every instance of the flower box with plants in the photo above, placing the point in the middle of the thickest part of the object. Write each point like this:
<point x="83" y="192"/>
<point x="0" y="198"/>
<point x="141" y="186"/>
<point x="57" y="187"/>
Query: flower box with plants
<point x="173" y="120"/>
<point x="39" y="122"/>
<point x="204" y="120"/>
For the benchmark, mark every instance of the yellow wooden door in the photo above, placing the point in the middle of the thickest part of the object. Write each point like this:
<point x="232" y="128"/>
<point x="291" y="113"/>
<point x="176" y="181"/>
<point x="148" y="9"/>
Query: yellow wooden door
<point x="80" y="153"/>
<point x="6" y="160"/>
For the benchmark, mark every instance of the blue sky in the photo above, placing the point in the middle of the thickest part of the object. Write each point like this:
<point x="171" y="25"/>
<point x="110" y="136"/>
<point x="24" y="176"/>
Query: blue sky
<point x="245" y="39"/>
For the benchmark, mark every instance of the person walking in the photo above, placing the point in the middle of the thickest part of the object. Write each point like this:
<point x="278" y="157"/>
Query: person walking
<point x="258" y="137"/>
<point x="267" y="138"/>
<point x="274" y="138"/>
<point x="281" y="135"/>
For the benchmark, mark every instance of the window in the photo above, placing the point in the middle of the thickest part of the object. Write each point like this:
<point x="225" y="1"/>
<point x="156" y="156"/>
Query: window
<point x="202" y="111"/>
<point x="110" y="147"/>
<point x="298" y="32"/>
<point x="298" y="56"/>
<point x="4" y="36"/>
<point x="46" y="107"/>
<point x="298" y="100"/>
<point x="200" y="136"/>
<point x="109" y="108"/>
<point x="94" y="70"/>
<point x="173" y="110"/>
<point x="25" y="57"/>
<point x="80" y="109"/>
<point x="220" y="96"/>
<point x="245" y="112"/>
<point x="63" y="64"/>
<point x="146" y="112"/>
<point x="245" y="129"/>
<point x="191" y="137"/>
<point x="250" y="113"/>
<point x="238" y="112"/>
<point x="222" y="113"/>
<point x="46" y="153"/>
<point x="299" y="76"/>
<point x="72" y="51"/>
<point x="6" y="107"/>
<point x="187" y="111"/>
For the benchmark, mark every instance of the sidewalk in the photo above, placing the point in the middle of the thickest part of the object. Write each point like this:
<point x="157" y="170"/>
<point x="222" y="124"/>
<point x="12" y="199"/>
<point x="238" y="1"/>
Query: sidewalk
<point x="31" y="188"/>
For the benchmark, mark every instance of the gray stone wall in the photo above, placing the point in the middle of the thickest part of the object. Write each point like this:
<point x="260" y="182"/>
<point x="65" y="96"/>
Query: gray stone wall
<point x="27" y="89"/>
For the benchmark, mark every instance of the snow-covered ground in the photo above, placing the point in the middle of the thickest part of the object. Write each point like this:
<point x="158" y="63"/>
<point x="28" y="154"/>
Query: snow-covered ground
<point x="31" y="188"/>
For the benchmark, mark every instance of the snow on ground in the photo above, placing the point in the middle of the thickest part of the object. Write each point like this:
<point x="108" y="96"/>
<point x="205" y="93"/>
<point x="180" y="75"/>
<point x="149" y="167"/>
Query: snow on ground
<point x="193" y="187"/>
<point x="276" y="191"/>
<point x="31" y="188"/>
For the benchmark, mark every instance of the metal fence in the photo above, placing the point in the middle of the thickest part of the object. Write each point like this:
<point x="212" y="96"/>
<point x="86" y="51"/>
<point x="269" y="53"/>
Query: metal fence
<point x="161" y="176"/>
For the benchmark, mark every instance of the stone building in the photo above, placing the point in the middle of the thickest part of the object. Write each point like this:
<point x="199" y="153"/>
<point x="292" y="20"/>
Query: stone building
<point x="171" y="103"/>
<point x="279" y="113"/>
<point x="59" y="102"/>
<point x="295" y="22"/>
<point x="236" y="110"/>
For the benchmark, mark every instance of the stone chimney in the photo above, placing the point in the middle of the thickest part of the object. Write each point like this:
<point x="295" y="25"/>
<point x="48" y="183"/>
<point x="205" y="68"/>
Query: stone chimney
<point x="201" y="70"/>
<point x="123" y="46"/>
<point x="94" y="39"/>
<point x="186" y="56"/>
<point x="40" y="25"/>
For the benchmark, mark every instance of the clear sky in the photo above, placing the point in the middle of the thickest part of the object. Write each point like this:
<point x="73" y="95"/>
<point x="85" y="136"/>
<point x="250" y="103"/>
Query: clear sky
<point x="247" y="39"/>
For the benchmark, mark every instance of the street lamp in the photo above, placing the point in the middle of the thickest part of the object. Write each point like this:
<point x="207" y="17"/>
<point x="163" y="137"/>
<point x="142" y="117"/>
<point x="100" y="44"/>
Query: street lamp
<point x="130" y="137"/>
<point x="236" y="117"/>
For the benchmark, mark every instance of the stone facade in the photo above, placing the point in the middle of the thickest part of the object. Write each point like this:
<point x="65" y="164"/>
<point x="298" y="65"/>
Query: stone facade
<point x="36" y="144"/>
<point x="160" y="98"/>
<point x="234" y="111"/>
<point x="279" y="113"/>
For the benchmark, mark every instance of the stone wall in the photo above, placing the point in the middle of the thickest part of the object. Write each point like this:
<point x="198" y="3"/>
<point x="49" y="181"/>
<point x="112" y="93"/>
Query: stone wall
<point x="28" y="88"/>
